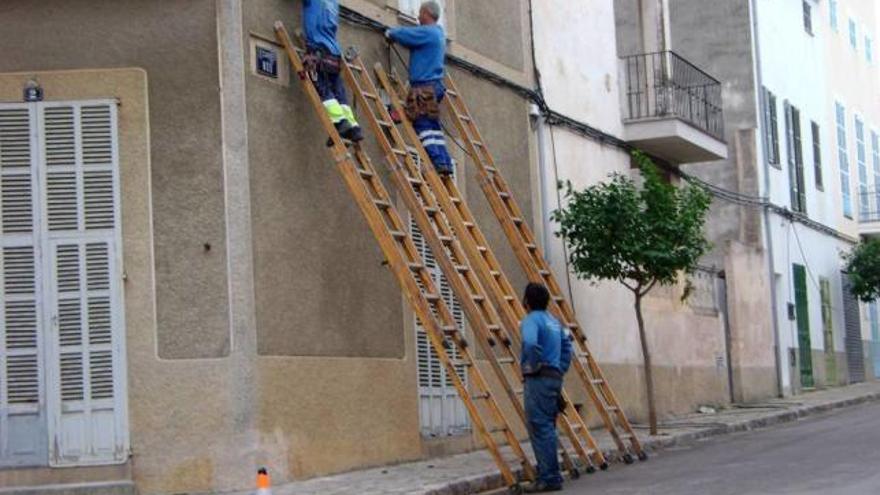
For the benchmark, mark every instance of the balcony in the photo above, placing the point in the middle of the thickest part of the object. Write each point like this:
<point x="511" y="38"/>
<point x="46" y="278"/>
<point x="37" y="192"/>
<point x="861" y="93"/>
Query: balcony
<point x="672" y="109"/>
<point x="869" y="212"/>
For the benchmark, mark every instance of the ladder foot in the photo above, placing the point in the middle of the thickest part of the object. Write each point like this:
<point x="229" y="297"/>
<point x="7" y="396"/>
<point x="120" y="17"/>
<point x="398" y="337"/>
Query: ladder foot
<point x="628" y="458"/>
<point x="643" y="456"/>
<point x="516" y="489"/>
<point x="589" y="470"/>
<point x="604" y="466"/>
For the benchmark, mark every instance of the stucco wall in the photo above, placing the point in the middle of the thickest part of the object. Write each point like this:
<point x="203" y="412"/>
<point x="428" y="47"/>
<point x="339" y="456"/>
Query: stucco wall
<point x="176" y="45"/>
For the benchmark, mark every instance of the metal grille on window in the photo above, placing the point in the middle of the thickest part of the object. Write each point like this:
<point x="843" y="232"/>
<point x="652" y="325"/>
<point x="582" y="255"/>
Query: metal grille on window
<point x="441" y="411"/>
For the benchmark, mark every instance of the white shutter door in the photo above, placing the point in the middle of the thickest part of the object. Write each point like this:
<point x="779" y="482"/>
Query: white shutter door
<point x="441" y="411"/>
<point x="86" y="368"/>
<point x="22" y="404"/>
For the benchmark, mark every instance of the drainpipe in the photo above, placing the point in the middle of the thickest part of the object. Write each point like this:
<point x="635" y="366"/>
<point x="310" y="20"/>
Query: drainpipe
<point x="768" y="234"/>
<point x="543" y="179"/>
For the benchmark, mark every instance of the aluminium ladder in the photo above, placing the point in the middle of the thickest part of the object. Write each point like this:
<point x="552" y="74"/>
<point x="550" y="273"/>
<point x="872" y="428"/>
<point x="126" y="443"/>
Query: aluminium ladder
<point x="488" y="269"/>
<point x="522" y="240"/>
<point x="416" y="282"/>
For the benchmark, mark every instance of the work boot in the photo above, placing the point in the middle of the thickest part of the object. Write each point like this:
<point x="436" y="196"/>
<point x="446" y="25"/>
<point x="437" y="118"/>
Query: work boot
<point x="355" y="134"/>
<point x="445" y="169"/>
<point x="343" y="127"/>
<point x="541" y="487"/>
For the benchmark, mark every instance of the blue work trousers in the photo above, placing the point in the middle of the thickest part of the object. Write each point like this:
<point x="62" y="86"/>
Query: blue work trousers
<point x="431" y="135"/>
<point x="541" y="403"/>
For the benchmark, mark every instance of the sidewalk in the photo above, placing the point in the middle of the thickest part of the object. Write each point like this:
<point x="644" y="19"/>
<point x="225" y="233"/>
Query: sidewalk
<point x="475" y="472"/>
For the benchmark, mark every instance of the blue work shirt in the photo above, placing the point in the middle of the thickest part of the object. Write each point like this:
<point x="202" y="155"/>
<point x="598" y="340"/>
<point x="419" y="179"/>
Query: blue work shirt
<point x="320" y="22"/>
<point x="427" y="45"/>
<point x="544" y="343"/>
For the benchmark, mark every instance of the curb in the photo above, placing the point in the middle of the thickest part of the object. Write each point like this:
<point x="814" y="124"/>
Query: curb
<point x="494" y="481"/>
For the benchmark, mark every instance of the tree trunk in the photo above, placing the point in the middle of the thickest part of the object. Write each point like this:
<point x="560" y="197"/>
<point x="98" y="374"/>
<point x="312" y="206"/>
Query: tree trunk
<point x="649" y="375"/>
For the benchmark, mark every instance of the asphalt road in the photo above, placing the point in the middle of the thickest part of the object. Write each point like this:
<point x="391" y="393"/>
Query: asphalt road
<point x="837" y="454"/>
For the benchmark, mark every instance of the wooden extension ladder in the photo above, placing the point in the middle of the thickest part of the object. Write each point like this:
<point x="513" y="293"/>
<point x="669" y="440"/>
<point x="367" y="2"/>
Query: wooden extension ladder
<point x="522" y="240"/>
<point x="415" y="280"/>
<point x="488" y="270"/>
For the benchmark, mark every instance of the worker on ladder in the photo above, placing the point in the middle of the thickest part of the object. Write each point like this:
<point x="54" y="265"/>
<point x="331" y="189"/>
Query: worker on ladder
<point x="427" y="45"/>
<point x="546" y="356"/>
<point x="323" y="63"/>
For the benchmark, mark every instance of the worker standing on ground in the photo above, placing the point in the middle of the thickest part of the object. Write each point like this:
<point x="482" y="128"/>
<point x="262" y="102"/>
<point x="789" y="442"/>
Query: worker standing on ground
<point x="323" y="63"/>
<point x="427" y="45"/>
<point x="545" y="358"/>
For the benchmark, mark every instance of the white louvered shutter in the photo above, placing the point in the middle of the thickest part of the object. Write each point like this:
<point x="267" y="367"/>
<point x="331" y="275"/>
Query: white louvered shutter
<point x="80" y="178"/>
<point x="441" y="411"/>
<point x="22" y="405"/>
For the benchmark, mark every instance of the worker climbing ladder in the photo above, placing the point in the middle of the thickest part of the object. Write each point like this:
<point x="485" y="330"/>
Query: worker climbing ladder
<point x="529" y="255"/>
<point x="415" y="280"/>
<point x="486" y="266"/>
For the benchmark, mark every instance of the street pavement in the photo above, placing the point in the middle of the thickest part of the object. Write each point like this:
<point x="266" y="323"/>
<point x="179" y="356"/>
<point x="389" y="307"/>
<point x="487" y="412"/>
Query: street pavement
<point x="832" y="454"/>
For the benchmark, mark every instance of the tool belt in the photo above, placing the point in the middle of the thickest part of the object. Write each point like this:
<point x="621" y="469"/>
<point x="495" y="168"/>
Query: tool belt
<point x="316" y="61"/>
<point x="422" y="102"/>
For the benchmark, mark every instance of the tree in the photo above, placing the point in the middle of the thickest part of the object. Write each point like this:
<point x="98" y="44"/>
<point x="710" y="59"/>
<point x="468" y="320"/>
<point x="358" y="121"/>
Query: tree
<point x="863" y="268"/>
<point x="638" y="236"/>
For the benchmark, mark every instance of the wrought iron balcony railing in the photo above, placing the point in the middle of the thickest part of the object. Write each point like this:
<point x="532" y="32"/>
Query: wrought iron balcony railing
<point x="869" y="205"/>
<point x="664" y="85"/>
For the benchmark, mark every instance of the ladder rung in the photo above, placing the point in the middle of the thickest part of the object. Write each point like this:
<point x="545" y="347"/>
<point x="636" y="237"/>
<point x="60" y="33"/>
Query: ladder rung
<point x="597" y="381"/>
<point x="455" y="199"/>
<point x="469" y="225"/>
<point x="381" y="203"/>
<point x="445" y="239"/>
<point x="506" y="360"/>
<point x="509" y="298"/>
<point x="370" y="95"/>
<point x="531" y="247"/>
<point x="415" y="266"/>
<point x="354" y="67"/>
<point x="612" y="408"/>
<point x="498" y="429"/>
<point x="482" y="249"/>
<point x="480" y="396"/>
<point x="461" y="268"/>
<point x="544" y="273"/>
<point x="495" y="273"/>
<point x="518" y="391"/>
<point x="517" y="220"/>
<point x="504" y="194"/>
<point x="478" y="297"/>
<point x="414" y="181"/>
<point x="365" y="173"/>
<point x="397" y="234"/>
<point x="493" y="328"/>
<point x="492" y="170"/>
<point x="478" y="143"/>
<point x="398" y="151"/>
<point x="464" y="117"/>
<point x="385" y="123"/>
<point x="449" y="330"/>
<point x="459" y="362"/>
<point x="451" y="92"/>
<point x="432" y="297"/>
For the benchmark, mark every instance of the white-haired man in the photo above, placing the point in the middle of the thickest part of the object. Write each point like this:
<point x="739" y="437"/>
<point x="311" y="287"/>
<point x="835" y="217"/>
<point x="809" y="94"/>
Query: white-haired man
<point x="427" y="45"/>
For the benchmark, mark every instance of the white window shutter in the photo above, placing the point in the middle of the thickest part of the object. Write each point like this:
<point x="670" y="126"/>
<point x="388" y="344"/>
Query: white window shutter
<point x="22" y="408"/>
<point x="441" y="411"/>
<point x="86" y="393"/>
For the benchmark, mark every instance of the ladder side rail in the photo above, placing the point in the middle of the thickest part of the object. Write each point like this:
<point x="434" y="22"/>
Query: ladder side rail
<point x="394" y="249"/>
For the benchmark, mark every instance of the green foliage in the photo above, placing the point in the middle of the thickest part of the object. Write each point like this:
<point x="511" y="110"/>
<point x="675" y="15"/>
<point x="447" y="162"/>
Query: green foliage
<point x="863" y="267"/>
<point x="637" y="236"/>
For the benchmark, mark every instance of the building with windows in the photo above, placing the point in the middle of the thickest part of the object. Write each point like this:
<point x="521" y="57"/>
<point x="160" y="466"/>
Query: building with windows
<point x="801" y="157"/>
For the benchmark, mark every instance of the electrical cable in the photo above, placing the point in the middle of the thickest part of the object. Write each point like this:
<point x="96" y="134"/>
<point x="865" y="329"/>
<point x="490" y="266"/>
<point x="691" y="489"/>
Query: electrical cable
<point x="559" y="205"/>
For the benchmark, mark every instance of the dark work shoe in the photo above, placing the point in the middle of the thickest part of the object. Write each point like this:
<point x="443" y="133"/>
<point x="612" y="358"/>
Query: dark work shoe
<point x="445" y="170"/>
<point x="343" y="127"/>
<point x="541" y="487"/>
<point x="355" y="134"/>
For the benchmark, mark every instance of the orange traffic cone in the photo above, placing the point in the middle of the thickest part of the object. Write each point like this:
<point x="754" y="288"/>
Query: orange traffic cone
<point x="264" y="485"/>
